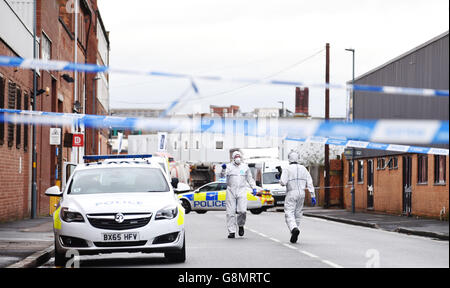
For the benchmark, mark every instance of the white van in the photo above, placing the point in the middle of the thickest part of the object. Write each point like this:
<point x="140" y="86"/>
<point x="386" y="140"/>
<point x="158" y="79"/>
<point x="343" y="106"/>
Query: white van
<point x="264" y="171"/>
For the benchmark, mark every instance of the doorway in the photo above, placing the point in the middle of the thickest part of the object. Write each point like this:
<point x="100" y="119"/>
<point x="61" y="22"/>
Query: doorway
<point x="407" y="185"/>
<point x="370" y="187"/>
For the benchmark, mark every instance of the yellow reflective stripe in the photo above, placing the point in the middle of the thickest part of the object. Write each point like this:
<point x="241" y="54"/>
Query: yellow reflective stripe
<point x="222" y="195"/>
<point x="200" y="197"/>
<point x="250" y="197"/>
<point x="57" y="219"/>
<point x="180" y="220"/>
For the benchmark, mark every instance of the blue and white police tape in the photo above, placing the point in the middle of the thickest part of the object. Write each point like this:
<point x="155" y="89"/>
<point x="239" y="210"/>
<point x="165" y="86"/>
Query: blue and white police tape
<point x="92" y="68"/>
<point x="373" y="146"/>
<point x="417" y="132"/>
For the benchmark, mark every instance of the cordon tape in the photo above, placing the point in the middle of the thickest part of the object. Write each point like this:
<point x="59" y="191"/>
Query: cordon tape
<point x="365" y="134"/>
<point x="54" y="65"/>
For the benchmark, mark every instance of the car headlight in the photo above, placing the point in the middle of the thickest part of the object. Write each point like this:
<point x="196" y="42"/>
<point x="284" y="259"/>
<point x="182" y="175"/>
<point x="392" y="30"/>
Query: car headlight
<point x="71" y="216"/>
<point x="168" y="212"/>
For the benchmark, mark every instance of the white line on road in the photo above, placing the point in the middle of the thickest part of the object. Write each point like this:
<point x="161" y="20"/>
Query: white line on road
<point x="290" y="246"/>
<point x="334" y="265"/>
<point x="308" y="254"/>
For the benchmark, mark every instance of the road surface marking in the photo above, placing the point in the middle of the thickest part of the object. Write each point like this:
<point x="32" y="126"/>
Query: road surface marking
<point x="334" y="265"/>
<point x="308" y="254"/>
<point x="276" y="240"/>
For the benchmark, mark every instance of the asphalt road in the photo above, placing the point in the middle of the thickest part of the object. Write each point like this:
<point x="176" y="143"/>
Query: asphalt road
<point x="322" y="244"/>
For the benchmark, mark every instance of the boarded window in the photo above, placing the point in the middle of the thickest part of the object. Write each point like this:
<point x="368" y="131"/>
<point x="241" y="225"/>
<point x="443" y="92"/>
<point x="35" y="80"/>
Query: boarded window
<point x="360" y="171"/>
<point x="2" y="106"/>
<point x="18" y="126"/>
<point x="439" y="169"/>
<point x="381" y="164"/>
<point x="393" y="163"/>
<point x="25" y="126"/>
<point x="12" y="106"/>
<point x="422" y="169"/>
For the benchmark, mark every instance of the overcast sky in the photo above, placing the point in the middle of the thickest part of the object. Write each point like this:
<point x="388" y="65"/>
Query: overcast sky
<point x="284" y="39"/>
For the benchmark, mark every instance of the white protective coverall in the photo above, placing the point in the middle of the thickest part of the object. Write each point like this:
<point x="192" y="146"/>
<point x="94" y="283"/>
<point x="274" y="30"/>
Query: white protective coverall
<point x="296" y="178"/>
<point x="236" y="198"/>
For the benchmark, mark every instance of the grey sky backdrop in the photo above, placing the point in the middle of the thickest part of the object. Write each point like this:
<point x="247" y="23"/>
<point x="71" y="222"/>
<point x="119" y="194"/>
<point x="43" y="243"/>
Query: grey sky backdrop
<point x="281" y="39"/>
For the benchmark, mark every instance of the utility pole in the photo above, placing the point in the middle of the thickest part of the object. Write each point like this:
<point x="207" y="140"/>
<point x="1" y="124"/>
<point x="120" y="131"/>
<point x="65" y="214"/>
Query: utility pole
<point x="33" y="156"/>
<point x="353" y="118"/>
<point x="327" y="118"/>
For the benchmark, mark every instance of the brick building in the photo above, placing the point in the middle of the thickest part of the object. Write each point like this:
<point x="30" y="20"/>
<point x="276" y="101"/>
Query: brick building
<point x="55" y="32"/>
<point x="394" y="182"/>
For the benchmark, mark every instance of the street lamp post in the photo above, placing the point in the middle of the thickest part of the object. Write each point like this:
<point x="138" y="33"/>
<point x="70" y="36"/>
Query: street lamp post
<point x="353" y="117"/>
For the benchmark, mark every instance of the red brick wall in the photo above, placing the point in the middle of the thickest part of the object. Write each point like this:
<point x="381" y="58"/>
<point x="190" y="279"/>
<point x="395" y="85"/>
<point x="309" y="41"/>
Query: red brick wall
<point x="427" y="199"/>
<point x="15" y="187"/>
<point x="14" y="184"/>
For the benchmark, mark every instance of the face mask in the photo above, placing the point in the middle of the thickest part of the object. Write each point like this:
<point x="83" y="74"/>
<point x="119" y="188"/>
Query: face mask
<point x="237" y="160"/>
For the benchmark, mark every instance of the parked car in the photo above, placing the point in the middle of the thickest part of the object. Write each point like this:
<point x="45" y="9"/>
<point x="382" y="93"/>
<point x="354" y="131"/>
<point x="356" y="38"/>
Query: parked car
<point x="211" y="197"/>
<point x="109" y="207"/>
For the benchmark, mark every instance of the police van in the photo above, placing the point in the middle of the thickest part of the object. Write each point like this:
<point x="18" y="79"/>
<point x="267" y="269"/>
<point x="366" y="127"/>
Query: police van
<point x="118" y="206"/>
<point x="264" y="171"/>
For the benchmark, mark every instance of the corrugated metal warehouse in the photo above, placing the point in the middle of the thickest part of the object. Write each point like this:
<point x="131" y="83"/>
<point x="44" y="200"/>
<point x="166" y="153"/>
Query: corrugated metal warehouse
<point x="391" y="182"/>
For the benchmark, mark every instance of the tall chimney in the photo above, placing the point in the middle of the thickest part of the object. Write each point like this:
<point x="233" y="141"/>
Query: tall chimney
<point x="301" y="101"/>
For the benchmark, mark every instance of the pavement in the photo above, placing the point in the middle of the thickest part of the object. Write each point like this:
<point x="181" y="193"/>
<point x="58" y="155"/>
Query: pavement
<point x="29" y="243"/>
<point x="26" y="243"/>
<point x="413" y="225"/>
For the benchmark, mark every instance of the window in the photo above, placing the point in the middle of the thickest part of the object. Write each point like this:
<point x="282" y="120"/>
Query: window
<point x="46" y="48"/>
<point x="11" y="105"/>
<point x="360" y="171"/>
<point x="422" y="169"/>
<point x="393" y="163"/>
<point x="186" y="145"/>
<point x="18" y="126"/>
<point x="381" y="163"/>
<point x="439" y="169"/>
<point x="175" y="146"/>
<point x="66" y="12"/>
<point x="2" y="106"/>
<point x="197" y="145"/>
<point x="219" y="145"/>
<point x="210" y="188"/>
<point x="25" y="126"/>
<point x="350" y="171"/>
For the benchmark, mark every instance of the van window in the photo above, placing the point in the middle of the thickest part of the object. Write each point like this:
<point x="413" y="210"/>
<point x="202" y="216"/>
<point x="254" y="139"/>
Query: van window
<point x="269" y="178"/>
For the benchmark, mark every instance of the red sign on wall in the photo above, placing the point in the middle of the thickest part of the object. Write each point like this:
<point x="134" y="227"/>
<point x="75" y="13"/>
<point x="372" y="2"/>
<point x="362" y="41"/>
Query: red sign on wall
<point x="78" y="140"/>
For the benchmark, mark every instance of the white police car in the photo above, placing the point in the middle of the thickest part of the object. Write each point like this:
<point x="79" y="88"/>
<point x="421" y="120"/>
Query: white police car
<point x="118" y="207"/>
<point x="211" y="197"/>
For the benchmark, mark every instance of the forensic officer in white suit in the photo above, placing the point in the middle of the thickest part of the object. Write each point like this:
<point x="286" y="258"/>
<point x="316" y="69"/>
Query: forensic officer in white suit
<point x="238" y="175"/>
<point x="296" y="178"/>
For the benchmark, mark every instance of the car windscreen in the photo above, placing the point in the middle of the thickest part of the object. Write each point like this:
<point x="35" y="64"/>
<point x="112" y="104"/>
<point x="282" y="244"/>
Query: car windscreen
<point x="269" y="178"/>
<point x="118" y="180"/>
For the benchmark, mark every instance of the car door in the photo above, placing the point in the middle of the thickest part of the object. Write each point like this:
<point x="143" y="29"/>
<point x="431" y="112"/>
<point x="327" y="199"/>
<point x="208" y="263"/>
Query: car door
<point x="206" y="196"/>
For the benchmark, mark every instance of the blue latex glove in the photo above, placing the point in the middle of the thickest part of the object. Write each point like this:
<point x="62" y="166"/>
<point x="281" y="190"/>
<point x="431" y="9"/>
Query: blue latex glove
<point x="313" y="201"/>
<point x="254" y="192"/>
<point x="224" y="166"/>
<point x="277" y="176"/>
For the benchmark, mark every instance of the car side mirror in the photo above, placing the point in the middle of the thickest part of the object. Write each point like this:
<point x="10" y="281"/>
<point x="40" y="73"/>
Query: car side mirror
<point x="182" y="187"/>
<point x="174" y="182"/>
<point x="53" y="191"/>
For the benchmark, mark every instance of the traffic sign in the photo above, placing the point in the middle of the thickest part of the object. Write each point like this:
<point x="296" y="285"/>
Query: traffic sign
<point x="78" y="140"/>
